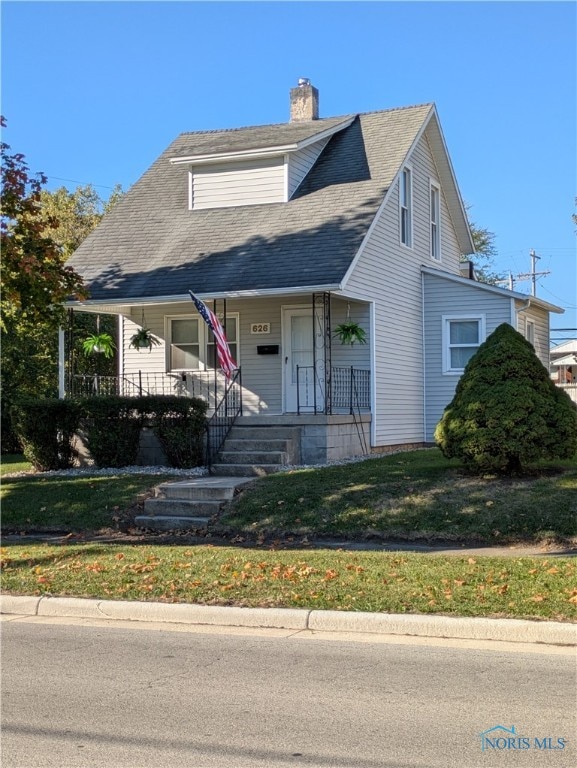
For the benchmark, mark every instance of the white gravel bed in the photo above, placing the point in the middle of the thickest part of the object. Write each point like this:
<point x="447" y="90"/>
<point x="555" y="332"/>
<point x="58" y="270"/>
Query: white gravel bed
<point x="109" y="471"/>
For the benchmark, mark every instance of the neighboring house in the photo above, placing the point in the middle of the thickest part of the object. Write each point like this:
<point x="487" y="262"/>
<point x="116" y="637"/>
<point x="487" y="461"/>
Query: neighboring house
<point x="563" y="367"/>
<point x="291" y="229"/>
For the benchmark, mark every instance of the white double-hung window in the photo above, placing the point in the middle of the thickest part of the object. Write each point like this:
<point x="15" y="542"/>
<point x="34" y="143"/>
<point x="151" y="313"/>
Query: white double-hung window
<point x="405" y="207"/>
<point x="435" y="212"/>
<point x="191" y="344"/>
<point x="462" y="336"/>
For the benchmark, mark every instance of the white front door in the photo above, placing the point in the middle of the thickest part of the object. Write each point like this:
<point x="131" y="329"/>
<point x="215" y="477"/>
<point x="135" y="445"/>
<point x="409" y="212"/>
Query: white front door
<point x="298" y="350"/>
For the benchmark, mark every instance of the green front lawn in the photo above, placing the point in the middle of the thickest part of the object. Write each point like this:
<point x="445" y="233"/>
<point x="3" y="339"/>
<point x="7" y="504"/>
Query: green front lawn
<point x="84" y="503"/>
<point x="414" y="495"/>
<point x="535" y="588"/>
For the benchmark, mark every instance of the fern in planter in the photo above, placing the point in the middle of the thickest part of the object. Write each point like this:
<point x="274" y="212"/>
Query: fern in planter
<point x="143" y="339"/>
<point x="350" y="332"/>
<point x="96" y="343"/>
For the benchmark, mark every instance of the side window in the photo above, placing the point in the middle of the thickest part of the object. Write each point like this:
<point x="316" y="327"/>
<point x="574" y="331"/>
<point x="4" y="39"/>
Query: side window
<point x="530" y="332"/>
<point x="462" y="336"/>
<point x="405" y="207"/>
<point x="435" y="211"/>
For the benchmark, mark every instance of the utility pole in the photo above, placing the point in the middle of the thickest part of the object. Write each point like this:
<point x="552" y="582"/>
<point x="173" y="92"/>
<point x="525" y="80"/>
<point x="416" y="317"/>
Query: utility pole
<point x="533" y="274"/>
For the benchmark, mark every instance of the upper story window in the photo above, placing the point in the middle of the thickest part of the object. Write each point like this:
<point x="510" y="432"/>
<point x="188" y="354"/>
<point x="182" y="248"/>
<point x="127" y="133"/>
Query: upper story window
<point x="191" y="343"/>
<point x="435" y="212"/>
<point x="462" y="336"/>
<point x="406" y="205"/>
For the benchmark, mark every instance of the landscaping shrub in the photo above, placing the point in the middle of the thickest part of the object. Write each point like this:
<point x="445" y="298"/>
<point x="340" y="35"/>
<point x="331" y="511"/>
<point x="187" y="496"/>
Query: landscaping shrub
<point x="46" y="429"/>
<point x="178" y="423"/>
<point x="111" y="428"/>
<point x="506" y="412"/>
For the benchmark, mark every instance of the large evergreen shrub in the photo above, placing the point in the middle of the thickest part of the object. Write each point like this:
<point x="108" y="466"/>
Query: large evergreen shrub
<point x="506" y="412"/>
<point x="46" y="429"/>
<point x="179" y="425"/>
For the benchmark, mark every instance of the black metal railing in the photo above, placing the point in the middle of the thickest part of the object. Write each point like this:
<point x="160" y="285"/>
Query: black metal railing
<point x="203" y="384"/>
<point x="350" y="390"/>
<point x="224" y="416"/>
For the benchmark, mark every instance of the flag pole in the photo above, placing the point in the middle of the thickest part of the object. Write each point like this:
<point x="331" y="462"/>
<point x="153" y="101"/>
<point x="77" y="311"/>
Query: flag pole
<point x="215" y="362"/>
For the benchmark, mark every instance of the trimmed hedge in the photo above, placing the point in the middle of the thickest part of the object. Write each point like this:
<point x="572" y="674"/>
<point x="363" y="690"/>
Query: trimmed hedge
<point x="110" y="427"/>
<point x="46" y="430"/>
<point x="178" y="424"/>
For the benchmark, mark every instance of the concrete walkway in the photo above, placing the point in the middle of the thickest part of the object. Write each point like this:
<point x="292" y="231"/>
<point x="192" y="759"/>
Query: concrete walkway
<point x="431" y="626"/>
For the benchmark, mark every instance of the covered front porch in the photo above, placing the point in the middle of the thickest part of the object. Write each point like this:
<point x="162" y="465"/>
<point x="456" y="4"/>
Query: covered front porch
<point x="293" y="368"/>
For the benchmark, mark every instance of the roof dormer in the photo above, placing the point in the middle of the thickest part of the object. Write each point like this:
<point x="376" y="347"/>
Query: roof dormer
<point x="262" y="165"/>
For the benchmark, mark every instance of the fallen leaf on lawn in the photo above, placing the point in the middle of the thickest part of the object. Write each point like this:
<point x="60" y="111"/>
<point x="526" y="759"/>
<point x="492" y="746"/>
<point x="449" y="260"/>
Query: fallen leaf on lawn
<point x="459" y="582"/>
<point x="552" y="570"/>
<point x="119" y="556"/>
<point x="471" y="561"/>
<point x="537" y="598"/>
<point x="331" y="574"/>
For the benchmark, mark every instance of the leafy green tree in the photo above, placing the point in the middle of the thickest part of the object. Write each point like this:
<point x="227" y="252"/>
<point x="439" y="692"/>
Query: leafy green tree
<point x="77" y="213"/>
<point x="506" y="412"/>
<point x="485" y="252"/>
<point x="35" y="283"/>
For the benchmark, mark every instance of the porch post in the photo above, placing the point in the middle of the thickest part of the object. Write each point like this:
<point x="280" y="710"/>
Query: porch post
<point x="61" y="364"/>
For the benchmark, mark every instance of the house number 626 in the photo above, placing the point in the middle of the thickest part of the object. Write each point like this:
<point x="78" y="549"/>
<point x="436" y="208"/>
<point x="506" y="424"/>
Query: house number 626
<point x="260" y="328"/>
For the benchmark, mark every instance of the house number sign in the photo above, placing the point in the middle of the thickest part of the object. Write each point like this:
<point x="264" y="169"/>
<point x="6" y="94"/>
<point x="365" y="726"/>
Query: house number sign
<point x="260" y="327"/>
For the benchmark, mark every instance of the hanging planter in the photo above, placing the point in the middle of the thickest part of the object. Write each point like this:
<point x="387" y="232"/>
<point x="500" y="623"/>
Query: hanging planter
<point x="143" y="339"/>
<point x="99" y="343"/>
<point x="350" y="333"/>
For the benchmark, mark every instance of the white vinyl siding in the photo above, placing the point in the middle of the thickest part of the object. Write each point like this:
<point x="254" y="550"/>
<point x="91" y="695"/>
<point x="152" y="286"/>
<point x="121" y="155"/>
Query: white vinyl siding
<point x="444" y="297"/>
<point x="235" y="183"/>
<point x="390" y="276"/>
<point x="540" y="319"/>
<point x="300" y="163"/>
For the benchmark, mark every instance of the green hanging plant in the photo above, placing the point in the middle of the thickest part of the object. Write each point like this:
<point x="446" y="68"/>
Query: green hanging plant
<point x="99" y="343"/>
<point x="350" y="332"/>
<point x="143" y="339"/>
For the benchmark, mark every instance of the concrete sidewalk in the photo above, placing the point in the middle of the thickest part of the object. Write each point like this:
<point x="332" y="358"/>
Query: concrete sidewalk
<point x="509" y="630"/>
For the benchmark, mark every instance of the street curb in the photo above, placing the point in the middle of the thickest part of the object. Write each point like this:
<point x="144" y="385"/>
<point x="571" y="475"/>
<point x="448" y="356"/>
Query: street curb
<point x="508" y="630"/>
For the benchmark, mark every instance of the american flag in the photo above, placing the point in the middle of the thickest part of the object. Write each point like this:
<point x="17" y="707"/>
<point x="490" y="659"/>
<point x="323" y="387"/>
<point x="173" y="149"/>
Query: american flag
<point x="225" y="359"/>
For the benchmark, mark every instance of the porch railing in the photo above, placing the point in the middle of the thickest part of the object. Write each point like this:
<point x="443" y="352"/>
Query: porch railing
<point x="202" y="384"/>
<point x="223" y="418"/>
<point x="349" y="388"/>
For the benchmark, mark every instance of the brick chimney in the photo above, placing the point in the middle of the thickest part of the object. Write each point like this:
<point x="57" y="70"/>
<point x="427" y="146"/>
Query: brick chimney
<point x="304" y="101"/>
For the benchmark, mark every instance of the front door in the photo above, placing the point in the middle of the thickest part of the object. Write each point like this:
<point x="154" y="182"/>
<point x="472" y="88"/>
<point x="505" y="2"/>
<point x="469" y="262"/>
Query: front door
<point x="299" y="372"/>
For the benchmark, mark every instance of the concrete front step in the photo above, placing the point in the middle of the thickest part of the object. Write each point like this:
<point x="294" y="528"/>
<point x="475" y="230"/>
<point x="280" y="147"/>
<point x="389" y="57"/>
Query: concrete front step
<point x="248" y="457"/>
<point x="272" y="432"/>
<point x="181" y="507"/>
<point x="245" y="470"/>
<point x="243" y="444"/>
<point x="207" y="487"/>
<point x="170" y="523"/>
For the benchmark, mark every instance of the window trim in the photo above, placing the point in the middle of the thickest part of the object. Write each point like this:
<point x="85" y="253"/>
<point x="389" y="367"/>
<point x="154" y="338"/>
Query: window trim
<point x="530" y="324"/>
<point x="406" y="169"/>
<point x="435" y="240"/>
<point x="446" y="339"/>
<point x="203" y="340"/>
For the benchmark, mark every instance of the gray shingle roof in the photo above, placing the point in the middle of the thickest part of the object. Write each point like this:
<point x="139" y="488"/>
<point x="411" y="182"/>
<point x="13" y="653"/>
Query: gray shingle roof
<point x="150" y="245"/>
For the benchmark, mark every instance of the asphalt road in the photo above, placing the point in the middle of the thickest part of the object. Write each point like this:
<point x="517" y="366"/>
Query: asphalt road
<point x="81" y="695"/>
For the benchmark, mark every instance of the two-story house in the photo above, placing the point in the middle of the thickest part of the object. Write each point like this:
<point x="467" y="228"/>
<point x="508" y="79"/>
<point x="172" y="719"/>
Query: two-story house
<point x="289" y="231"/>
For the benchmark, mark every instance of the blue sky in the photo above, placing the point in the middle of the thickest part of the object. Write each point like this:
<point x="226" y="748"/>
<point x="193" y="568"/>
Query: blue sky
<point x="94" y="91"/>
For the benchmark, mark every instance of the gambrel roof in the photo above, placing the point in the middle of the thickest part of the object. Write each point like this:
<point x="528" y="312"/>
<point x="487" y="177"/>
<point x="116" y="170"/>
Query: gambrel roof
<point x="152" y="247"/>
